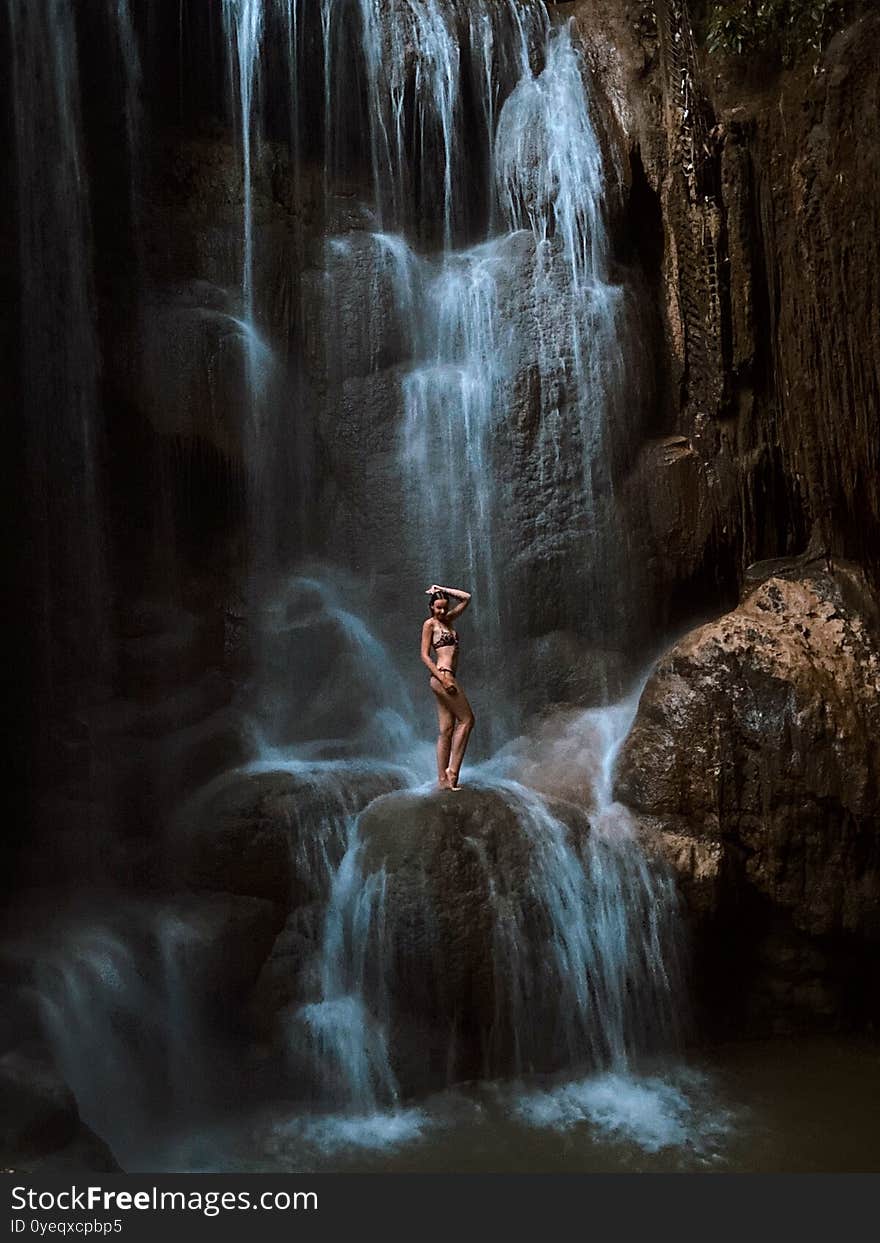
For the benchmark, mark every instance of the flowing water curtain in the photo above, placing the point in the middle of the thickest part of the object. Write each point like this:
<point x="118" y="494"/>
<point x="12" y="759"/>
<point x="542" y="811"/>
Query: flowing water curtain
<point x="478" y="322"/>
<point x="411" y="63"/>
<point x="586" y="962"/>
<point x="243" y="22"/>
<point x="122" y="1009"/>
<point x="578" y="963"/>
<point x="248" y="24"/>
<point x="551" y="181"/>
<point x="313" y="643"/>
<point x="497" y="311"/>
<point x="420" y="61"/>
<point x="341" y="1037"/>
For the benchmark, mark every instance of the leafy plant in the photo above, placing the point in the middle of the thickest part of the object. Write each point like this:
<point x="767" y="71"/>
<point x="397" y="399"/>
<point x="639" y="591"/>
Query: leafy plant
<point x="790" y="27"/>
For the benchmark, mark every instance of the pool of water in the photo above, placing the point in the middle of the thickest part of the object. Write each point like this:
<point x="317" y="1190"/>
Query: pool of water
<point x="769" y="1106"/>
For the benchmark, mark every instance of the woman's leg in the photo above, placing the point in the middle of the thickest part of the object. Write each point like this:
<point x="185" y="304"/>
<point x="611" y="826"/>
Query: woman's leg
<point x="445" y="724"/>
<point x="460" y="735"/>
<point x="458" y="708"/>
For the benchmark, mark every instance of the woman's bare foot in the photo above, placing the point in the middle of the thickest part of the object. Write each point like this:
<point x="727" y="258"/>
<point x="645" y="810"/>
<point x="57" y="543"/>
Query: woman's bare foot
<point x="443" y="782"/>
<point x="452" y="779"/>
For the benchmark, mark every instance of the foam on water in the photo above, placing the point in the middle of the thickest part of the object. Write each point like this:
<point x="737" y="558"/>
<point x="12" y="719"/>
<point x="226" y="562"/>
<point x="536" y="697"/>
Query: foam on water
<point x="382" y="1130"/>
<point x="652" y="1112"/>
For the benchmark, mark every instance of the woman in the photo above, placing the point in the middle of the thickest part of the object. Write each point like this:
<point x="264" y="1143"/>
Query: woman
<point x="454" y="715"/>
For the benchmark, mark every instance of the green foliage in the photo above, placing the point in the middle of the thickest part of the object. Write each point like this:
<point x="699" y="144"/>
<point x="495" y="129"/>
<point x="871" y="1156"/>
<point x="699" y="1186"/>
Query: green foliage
<point x="789" y="27"/>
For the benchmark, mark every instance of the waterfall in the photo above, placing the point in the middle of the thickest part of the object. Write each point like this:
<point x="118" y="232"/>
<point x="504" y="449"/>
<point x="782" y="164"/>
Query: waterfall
<point x="320" y="661"/>
<point x="342" y="1044"/>
<point x="243" y="23"/>
<point x="483" y="286"/>
<point x="605" y="972"/>
<point x="587" y="966"/>
<point x="533" y="298"/>
<point x="462" y="360"/>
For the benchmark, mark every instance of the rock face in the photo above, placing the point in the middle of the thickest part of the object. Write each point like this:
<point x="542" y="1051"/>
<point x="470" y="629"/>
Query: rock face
<point x="274" y="835"/>
<point x="754" y="764"/>
<point x="749" y="199"/>
<point x="41" y="1129"/>
<point x="457" y="877"/>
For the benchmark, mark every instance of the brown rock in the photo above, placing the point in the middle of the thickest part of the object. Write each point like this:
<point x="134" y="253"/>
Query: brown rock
<point x="754" y="764"/>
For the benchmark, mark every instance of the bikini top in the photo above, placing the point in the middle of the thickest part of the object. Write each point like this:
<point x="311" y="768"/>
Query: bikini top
<point x="447" y="639"/>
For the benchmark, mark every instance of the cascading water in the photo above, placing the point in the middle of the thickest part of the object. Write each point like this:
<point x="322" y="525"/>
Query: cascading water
<point x="342" y="1043"/>
<point x="482" y="247"/>
<point x="587" y="969"/>
<point x="480" y="318"/>
<point x="320" y="661"/>
<point x="243" y="23"/>
<point x="527" y="305"/>
<point x="124" y="1017"/>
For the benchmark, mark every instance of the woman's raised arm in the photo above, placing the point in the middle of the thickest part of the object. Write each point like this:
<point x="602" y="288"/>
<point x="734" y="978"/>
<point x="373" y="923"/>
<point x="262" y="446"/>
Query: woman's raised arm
<point x="457" y="594"/>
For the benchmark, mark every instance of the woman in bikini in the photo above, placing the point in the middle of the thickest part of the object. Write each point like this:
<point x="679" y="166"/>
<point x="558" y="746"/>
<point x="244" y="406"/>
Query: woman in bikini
<point x="454" y="714"/>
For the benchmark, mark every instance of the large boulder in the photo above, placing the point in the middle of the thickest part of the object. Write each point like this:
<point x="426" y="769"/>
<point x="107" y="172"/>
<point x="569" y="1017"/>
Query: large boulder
<point x="275" y="834"/>
<point x="40" y="1127"/>
<point x="459" y="921"/>
<point x="754" y="764"/>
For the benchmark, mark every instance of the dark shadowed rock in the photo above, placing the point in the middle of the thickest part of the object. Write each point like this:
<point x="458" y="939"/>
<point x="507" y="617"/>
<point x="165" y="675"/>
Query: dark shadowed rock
<point x="39" y="1112"/>
<point x="275" y="835"/>
<point x="288" y="974"/>
<point x="217" y="941"/>
<point x="754" y="764"/>
<point x="40" y="1126"/>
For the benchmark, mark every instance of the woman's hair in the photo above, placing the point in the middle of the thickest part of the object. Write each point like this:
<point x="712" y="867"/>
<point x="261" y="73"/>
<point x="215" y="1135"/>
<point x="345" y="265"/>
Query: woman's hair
<point x="435" y="596"/>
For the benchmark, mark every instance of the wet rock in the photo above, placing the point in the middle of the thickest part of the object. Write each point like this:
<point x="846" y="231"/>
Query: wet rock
<point x="561" y="669"/>
<point x="453" y="871"/>
<point x="761" y="254"/>
<point x="754" y="764"/>
<point x="275" y="835"/>
<point x="289" y="974"/>
<point x="356" y="325"/>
